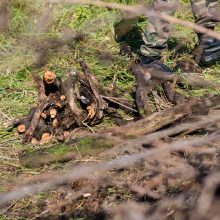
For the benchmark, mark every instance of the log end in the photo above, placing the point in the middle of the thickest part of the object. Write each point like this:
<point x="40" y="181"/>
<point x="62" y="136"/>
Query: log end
<point x="49" y="77"/>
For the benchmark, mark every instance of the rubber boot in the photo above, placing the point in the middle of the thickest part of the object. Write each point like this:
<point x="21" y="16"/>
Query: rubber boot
<point x="208" y="50"/>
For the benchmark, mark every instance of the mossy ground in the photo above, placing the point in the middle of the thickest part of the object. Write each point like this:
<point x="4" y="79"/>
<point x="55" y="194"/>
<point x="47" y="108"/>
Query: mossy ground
<point x="17" y="91"/>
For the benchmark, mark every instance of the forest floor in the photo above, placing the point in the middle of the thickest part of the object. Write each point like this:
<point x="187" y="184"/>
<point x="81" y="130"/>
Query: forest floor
<point x="29" y="32"/>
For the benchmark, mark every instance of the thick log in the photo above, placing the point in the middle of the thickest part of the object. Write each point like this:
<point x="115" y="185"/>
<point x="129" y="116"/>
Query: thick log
<point x="76" y="149"/>
<point x="148" y="124"/>
<point x="165" y="117"/>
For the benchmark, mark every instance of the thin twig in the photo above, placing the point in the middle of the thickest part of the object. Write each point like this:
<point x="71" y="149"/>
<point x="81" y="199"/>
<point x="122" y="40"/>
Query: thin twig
<point x="119" y="103"/>
<point x="144" y="11"/>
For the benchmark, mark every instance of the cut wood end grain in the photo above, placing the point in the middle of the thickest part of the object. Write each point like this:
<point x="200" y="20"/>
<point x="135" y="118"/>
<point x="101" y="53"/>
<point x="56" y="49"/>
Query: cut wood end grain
<point x="49" y="77"/>
<point x="62" y="97"/>
<point x="21" y="128"/>
<point x="53" y="113"/>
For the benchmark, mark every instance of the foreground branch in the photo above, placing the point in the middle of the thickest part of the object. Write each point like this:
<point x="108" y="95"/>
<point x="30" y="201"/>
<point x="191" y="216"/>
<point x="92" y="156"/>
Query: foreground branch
<point x="143" y="11"/>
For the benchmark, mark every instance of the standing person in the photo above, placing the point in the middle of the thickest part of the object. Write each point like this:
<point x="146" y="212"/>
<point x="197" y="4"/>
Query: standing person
<point x="206" y="13"/>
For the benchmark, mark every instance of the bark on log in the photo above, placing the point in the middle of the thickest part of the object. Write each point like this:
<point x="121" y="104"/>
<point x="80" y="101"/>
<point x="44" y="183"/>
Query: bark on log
<point x="35" y="120"/>
<point x="160" y="119"/>
<point x="69" y="87"/>
<point x="40" y="87"/>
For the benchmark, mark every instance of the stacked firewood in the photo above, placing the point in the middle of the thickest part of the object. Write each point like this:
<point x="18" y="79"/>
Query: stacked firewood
<point x="78" y="101"/>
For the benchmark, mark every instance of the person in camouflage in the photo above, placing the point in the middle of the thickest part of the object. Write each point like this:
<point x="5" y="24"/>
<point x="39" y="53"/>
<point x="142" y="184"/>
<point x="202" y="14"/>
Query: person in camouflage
<point x="206" y="13"/>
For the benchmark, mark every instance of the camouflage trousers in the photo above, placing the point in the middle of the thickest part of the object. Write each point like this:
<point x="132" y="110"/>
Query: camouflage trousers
<point x="206" y="13"/>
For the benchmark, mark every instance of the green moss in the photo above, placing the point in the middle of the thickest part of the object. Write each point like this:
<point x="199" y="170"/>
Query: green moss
<point x="59" y="150"/>
<point x="30" y="149"/>
<point x="91" y="145"/>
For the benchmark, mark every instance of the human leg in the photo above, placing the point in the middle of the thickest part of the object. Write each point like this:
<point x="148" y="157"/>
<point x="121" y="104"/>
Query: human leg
<point x="157" y="31"/>
<point x="207" y="14"/>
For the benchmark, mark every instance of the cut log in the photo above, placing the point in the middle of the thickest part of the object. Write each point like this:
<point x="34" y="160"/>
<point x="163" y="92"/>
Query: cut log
<point x="99" y="101"/>
<point x="24" y="120"/>
<point x="62" y="97"/>
<point x="49" y="77"/>
<point x="53" y="113"/>
<point x="21" y="128"/>
<point x="52" y="83"/>
<point x="55" y="123"/>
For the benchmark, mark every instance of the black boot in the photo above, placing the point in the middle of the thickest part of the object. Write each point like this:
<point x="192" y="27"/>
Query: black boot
<point x="156" y="67"/>
<point x="208" y="51"/>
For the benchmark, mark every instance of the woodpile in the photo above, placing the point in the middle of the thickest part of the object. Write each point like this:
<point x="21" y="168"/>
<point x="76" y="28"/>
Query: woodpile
<point x="78" y="101"/>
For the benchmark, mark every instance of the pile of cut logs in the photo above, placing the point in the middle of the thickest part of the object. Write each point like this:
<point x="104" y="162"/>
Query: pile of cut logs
<point x="78" y="101"/>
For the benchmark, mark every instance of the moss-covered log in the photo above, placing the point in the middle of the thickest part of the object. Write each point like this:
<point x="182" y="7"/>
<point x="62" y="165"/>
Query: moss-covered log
<point x="75" y="149"/>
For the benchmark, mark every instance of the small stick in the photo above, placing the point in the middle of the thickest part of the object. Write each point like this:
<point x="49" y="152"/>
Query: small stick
<point x="119" y="103"/>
